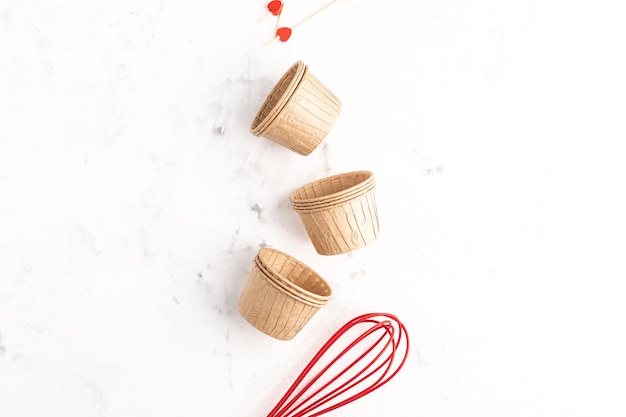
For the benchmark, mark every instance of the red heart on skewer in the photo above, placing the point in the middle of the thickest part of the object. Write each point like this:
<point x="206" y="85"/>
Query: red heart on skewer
<point x="275" y="6"/>
<point x="283" y="34"/>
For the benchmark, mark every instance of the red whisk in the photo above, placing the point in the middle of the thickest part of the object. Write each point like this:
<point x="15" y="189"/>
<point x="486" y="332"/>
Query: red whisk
<point x="369" y="350"/>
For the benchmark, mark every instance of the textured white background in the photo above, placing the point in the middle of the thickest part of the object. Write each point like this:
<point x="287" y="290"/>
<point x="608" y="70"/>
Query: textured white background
<point x="128" y="224"/>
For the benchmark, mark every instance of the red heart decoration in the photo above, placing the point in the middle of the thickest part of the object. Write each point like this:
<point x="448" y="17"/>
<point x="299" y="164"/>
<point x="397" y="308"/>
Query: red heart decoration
<point x="283" y="34"/>
<point x="275" y="6"/>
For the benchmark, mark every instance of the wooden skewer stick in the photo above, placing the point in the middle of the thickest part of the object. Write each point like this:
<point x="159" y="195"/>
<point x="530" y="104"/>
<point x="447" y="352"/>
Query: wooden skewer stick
<point x="313" y="14"/>
<point x="264" y="16"/>
<point x="278" y="17"/>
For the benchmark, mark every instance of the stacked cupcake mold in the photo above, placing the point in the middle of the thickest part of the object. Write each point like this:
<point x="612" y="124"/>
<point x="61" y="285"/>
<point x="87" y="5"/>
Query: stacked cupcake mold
<point x="282" y="294"/>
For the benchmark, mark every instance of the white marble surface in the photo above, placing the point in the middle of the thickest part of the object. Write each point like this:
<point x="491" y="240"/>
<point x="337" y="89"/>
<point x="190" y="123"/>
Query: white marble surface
<point x="129" y="220"/>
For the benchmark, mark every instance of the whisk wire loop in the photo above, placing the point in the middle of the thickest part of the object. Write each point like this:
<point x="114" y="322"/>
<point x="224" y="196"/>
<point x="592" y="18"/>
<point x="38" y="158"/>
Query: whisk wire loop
<point x="373" y="368"/>
<point x="349" y="384"/>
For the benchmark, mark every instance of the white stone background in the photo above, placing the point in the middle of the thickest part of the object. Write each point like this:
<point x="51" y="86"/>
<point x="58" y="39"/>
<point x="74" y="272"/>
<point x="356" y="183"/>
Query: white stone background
<point x="128" y="223"/>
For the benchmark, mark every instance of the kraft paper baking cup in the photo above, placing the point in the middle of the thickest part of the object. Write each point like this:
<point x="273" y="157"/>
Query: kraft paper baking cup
<point x="299" y="111"/>
<point x="277" y="310"/>
<point x="342" y="226"/>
